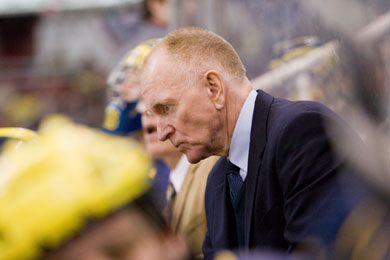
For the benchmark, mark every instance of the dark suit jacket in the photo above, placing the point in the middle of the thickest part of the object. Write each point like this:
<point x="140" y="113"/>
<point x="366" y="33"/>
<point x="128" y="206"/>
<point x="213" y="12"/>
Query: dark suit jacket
<point x="292" y="191"/>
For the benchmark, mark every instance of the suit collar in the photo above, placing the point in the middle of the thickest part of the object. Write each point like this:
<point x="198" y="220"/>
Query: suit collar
<point x="259" y="122"/>
<point x="257" y="144"/>
<point x="239" y="145"/>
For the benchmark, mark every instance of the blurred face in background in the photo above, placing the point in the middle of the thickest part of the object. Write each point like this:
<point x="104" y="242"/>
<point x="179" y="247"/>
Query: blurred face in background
<point x="159" y="11"/>
<point x="126" y="235"/>
<point x="130" y="90"/>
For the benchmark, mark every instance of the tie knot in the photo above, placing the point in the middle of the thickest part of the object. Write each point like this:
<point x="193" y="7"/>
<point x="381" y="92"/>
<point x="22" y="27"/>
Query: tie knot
<point x="232" y="168"/>
<point x="234" y="179"/>
<point x="171" y="192"/>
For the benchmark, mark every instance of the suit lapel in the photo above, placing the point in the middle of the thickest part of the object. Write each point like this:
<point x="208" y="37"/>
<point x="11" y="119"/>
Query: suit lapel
<point x="257" y="144"/>
<point x="220" y="214"/>
<point x="223" y="211"/>
<point x="181" y="198"/>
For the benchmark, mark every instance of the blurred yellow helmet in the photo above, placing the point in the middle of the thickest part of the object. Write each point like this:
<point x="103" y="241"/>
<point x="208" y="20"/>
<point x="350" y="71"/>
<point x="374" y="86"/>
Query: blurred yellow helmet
<point x="120" y="115"/>
<point x="23" y="134"/>
<point x="14" y="137"/>
<point x="49" y="188"/>
<point x="131" y="60"/>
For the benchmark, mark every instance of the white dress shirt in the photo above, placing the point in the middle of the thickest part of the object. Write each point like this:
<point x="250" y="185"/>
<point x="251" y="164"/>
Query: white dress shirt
<point x="239" y="145"/>
<point x="177" y="175"/>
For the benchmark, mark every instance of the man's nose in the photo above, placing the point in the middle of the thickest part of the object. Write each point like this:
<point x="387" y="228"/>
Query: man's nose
<point x="164" y="130"/>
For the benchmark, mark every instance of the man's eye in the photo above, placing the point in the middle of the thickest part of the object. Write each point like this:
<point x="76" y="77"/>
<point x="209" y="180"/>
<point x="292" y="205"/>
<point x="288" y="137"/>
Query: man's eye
<point x="165" y="109"/>
<point x="162" y="109"/>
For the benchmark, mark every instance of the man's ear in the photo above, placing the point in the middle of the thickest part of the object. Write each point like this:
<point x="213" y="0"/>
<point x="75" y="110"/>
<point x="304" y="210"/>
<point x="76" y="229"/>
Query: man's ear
<point x="215" y="88"/>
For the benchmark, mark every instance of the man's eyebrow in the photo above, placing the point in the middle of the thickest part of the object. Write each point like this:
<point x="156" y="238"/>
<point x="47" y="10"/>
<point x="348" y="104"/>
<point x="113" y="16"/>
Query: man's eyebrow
<point x="167" y="101"/>
<point x="158" y="103"/>
<point x="155" y="104"/>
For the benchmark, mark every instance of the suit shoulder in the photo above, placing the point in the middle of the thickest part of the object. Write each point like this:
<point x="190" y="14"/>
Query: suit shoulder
<point x="294" y="108"/>
<point x="284" y="112"/>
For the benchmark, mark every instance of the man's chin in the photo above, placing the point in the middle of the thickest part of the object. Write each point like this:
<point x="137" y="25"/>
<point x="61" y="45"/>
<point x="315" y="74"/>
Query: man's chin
<point x="193" y="158"/>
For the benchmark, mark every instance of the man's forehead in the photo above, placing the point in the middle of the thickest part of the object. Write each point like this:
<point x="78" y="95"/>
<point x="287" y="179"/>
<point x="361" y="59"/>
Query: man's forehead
<point x="157" y="95"/>
<point x="153" y="87"/>
<point x="155" y="70"/>
<point x="155" y="92"/>
<point x="158" y="60"/>
<point x="159" y="72"/>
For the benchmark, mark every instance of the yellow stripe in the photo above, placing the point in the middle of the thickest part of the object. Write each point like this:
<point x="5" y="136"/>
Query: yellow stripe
<point x="18" y="133"/>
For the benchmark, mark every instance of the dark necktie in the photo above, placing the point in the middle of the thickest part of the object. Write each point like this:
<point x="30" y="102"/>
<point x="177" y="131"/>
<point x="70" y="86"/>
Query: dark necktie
<point x="236" y="196"/>
<point x="171" y="195"/>
<point x="235" y="181"/>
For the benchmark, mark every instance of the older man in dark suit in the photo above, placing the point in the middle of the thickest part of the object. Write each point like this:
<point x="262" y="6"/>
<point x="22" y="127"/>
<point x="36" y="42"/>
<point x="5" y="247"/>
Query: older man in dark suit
<point x="277" y="183"/>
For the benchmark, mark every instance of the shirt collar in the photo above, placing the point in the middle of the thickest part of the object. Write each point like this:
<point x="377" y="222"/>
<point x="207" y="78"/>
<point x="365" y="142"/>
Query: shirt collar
<point x="178" y="174"/>
<point x="239" y="145"/>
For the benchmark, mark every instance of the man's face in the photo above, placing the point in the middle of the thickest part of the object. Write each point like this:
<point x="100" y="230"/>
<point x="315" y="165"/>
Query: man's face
<point x="184" y="112"/>
<point x="130" y="90"/>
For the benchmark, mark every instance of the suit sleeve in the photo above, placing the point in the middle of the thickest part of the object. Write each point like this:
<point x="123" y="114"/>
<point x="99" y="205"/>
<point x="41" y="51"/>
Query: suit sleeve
<point x="308" y="172"/>
<point x="208" y="252"/>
